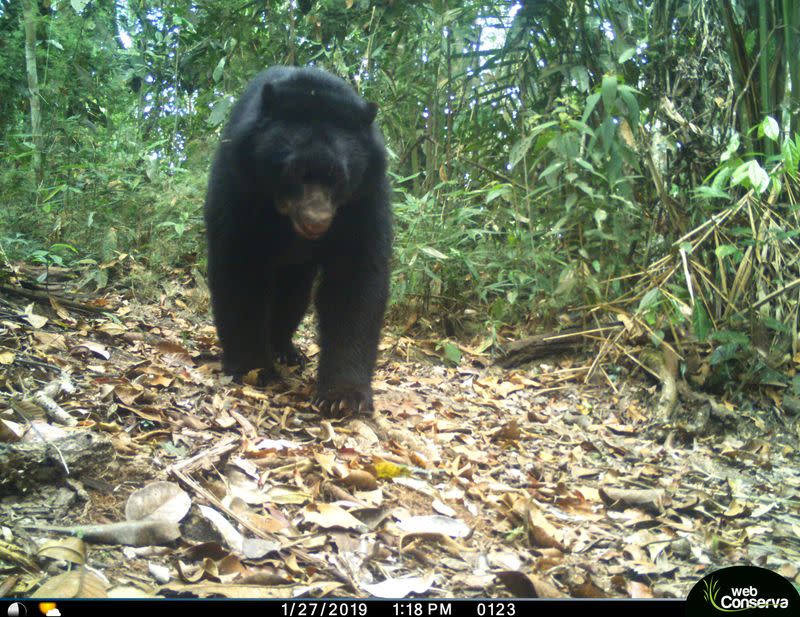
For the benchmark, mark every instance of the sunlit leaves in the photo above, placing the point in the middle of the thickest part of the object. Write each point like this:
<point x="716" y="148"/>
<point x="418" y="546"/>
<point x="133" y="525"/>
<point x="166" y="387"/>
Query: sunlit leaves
<point x="609" y="92"/>
<point x="731" y="148"/>
<point x="220" y="111"/>
<point x="626" y="55"/>
<point x="769" y="128"/>
<point x="726" y="250"/>
<point x="701" y="322"/>
<point x="217" y="74"/>
<point x="751" y="175"/>
<point x="78" y="5"/>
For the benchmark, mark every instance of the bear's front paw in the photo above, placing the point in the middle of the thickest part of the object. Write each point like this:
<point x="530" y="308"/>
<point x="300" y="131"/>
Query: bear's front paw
<point x="291" y="356"/>
<point x="344" y="401"/>
<point x="258" y="377"/>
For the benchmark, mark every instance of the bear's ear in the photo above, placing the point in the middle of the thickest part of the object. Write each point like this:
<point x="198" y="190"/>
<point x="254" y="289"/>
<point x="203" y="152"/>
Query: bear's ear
<point x="370" y="112"/>
<point x="268" y="97"/>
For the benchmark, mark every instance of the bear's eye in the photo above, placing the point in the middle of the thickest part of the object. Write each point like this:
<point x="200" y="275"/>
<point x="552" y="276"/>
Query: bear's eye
<point x="336" y="174"/>
<point x="331" y="178"/>
<point x="278" y="157"/>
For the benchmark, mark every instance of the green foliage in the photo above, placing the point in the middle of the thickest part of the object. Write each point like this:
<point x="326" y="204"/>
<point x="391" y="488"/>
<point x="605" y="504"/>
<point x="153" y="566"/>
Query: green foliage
<point x="587" y="172"/>
<point x="738" y="304"/>
<point x="451" y="352"/>
<point x="543" y="152"/>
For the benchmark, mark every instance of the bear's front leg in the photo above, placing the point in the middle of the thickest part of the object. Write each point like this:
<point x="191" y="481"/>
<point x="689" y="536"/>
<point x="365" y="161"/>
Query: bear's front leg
<point x="241" y="300"/>
<point x="350" y="304"/>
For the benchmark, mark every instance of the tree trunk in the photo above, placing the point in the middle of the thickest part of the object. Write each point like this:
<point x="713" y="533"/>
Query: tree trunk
<point x="763" y="72"/>
<point x="30" y="11"/>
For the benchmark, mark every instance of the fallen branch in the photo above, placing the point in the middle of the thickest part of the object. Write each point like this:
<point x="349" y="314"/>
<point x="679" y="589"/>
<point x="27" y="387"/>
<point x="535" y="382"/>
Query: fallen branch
<point x="541" y="345"/>
<point x="45" y="297"/>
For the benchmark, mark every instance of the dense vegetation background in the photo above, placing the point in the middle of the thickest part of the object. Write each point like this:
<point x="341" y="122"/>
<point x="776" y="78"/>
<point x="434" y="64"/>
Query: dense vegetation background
<point x="632" y="157"/>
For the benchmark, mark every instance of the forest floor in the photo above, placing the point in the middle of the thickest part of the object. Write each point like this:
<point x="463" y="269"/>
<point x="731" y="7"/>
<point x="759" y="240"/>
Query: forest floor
<point x="469" y="481"/>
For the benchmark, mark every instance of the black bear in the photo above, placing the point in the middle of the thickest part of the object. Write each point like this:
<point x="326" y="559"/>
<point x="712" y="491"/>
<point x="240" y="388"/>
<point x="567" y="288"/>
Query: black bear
<point x="298" y="187"/>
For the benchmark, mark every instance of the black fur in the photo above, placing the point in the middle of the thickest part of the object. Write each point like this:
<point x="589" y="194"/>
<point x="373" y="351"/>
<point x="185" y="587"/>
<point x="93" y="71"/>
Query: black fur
<point x="298" y="188"/>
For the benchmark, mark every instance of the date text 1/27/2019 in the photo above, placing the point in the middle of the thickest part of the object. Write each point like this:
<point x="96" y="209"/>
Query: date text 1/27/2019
<point x="406" y="608"/>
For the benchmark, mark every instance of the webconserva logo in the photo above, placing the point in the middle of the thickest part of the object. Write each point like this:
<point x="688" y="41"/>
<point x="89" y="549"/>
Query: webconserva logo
<point x="741" y="598"/>
<point x="745" y="590"/>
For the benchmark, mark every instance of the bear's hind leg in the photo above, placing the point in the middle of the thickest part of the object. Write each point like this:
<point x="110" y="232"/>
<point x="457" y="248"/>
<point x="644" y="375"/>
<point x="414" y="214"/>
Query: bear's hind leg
<point x="292" y="294"/>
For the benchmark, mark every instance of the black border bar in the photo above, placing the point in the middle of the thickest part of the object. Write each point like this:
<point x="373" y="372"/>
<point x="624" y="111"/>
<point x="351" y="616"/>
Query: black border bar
<point x="301" y="607"/>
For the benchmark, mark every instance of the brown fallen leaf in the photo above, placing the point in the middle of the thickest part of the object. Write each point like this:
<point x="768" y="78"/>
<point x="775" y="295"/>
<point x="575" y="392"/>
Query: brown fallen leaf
<point x="60" y="310"/>
<point x="205" y="550"/>
<point x="50" y="341"/>
<point x="111" y="328"/>
<point x="230" y="535"/>
<point x="27" y="408"/>
<point x="10" y="432"/>
<point x="72" y="550"/>
<point x="542" y="533"/>
<point x="434" y="539"/>
<point x="508" y="432"/>
<point x="737" y="509"/>
<point x="15" y="555"/>
<point x="128" y="591"/>
<point x="78" y="583"/>
<point x="37" y="321"/>
<point x="399" y="587"/>
<point x="163" y="501"/>
<point x="371" y="517"/>
<point x="523" y="585"/>
<point x="651" y="500"/>
<point x="586" y="589"/>
<point x="90" y="346"/>
<point x="328" y="515"/>
<point x="231" y="565"/>
<point x="169" y="347"/>
<point x="639" y="590"/>
<point x="270" y="579"/>
<point x="193" y="573"/>
<point x="436" y="523"/>
<point x="266" y="523"/>
<point x="537" y="416"/>
<point x="128" y="394"/>
<point x="361" y="480"/>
